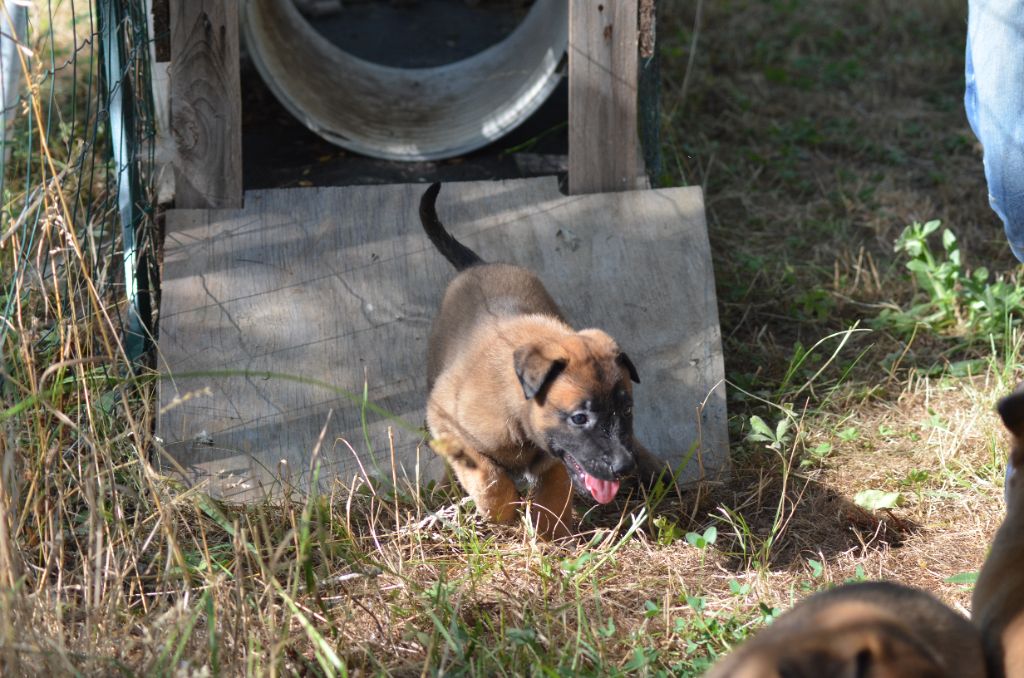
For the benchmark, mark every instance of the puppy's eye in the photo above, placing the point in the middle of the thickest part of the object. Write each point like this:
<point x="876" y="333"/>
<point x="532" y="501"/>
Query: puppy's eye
<point x="579" y="419"/>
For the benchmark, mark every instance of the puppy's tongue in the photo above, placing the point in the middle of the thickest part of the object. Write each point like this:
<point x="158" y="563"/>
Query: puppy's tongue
<point x="603" y="491"/>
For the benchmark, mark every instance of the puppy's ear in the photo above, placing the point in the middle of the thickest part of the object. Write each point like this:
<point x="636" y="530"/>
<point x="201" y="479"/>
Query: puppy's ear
<point x="881" y="649"/>
<point x="1011" y="409"/>
<point x="623" y="360"/>
<point x="536" y="369"/>
<point x="874" y="649"/>
<point x="847" y="639"/>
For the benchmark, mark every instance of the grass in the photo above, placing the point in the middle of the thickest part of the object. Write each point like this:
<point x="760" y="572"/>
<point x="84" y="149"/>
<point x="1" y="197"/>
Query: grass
<point x="864" y="352"/>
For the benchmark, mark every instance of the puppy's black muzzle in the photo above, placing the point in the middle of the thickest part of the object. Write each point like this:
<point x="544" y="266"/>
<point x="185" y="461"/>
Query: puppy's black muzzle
<point x="600" y="452"/>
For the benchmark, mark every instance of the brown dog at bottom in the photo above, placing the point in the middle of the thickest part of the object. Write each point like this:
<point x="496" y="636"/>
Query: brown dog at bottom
<point x="889" y="630"/>
<point x="870" y="629"/>
<point x="519" y="400"/>
<point x="997" y="606"/>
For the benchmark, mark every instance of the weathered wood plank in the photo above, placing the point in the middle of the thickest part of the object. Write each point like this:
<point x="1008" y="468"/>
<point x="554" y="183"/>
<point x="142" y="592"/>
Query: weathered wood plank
<point x="206" y="103"/>
<point x="604" y="147"/>
<point x="339" y="285"/>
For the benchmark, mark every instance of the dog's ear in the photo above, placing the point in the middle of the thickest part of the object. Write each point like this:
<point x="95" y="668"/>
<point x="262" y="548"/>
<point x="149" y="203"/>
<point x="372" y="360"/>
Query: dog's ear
<point x="536" y="369"/>
<point x="882" y="649"/>
<point x="623" y="360"/>
<point x="1011" y="410"/>
<point x="874" y="648"/>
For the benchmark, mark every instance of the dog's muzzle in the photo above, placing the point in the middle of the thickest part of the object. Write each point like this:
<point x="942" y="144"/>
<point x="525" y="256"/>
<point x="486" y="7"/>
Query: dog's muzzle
<point x="603" y="491"/>
<point x="597" y="460"/>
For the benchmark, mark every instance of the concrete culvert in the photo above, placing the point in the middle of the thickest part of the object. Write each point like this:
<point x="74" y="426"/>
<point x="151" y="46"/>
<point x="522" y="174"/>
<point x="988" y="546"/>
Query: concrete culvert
<point x="406" y="113"/>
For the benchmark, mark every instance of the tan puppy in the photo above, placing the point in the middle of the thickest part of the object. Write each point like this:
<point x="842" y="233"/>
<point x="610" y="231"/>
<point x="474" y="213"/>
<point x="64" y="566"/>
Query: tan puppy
<point x="873" y="629"/>
<point x="520" y="400"/>
<point x="998" y="603"/>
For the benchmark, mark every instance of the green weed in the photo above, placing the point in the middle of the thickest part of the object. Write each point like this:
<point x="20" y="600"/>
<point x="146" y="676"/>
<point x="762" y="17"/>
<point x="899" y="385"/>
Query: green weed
<point x="775" y="439"/>
<point x="950" y="298"/>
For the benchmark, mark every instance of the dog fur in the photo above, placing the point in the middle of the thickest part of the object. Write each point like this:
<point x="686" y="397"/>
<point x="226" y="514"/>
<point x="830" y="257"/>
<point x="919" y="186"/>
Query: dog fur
<point x="997" y="606"/>
<point x="520" y="400"/>
<point x="872" y="629"/>
<point x="885" y="629"/>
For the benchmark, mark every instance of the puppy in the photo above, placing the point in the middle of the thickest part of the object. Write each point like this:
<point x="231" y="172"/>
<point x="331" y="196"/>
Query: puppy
<point x="518" y="399"/>
<point x="998" y="602"/>
<point x="873" y="629"/>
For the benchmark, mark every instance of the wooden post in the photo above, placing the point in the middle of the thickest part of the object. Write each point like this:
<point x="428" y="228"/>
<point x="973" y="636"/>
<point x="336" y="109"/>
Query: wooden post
<point x="604" y="148"/>
<point x="206" y="107"/>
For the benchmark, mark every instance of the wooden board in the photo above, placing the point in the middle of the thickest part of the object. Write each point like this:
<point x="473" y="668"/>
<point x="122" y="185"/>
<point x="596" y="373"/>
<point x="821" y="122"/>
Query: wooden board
<point x="604" y="146"/>
<point x="339" y="285"/>
<point x="206" y="103"/>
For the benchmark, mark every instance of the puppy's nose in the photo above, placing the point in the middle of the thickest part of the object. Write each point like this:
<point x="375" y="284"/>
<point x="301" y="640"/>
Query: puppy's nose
<point x="623" y="465"/>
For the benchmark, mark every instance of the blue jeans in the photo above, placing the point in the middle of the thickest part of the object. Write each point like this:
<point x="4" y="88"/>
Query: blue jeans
<point x="994" y="99"/>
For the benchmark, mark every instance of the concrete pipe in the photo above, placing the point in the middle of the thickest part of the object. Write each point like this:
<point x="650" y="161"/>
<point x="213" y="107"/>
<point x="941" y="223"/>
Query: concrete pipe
<point x="406" y="113"/>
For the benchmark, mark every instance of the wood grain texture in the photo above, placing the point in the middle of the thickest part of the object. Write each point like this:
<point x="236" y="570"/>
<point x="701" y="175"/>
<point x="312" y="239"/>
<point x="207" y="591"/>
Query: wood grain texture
<point x="604" y="147"/>
<point x="206" y="103"/>
<point x="339" y="285"/>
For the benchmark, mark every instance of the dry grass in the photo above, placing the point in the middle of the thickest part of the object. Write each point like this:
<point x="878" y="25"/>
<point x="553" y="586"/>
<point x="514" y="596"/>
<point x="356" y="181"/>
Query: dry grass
<point x="819" y="130"/>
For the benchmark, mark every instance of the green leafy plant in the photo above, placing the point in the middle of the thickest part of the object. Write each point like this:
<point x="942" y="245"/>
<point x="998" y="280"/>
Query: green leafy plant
<point x="817" y="574"/>
<point x="849" y="434"/>
<point x="702" y="541"/>
<point x="916" y="480"/>
<point x="951" y="298"/>
<point x="817" y="455"/>
<point x="875" y="500"/>
<point x="965" y="579"/>
<point x="816" y="303"/>
<point x="859" y="575"/>
<point x="668" y="531"/>
<point x="737" y="589"/>
<point x="777" y="438"/>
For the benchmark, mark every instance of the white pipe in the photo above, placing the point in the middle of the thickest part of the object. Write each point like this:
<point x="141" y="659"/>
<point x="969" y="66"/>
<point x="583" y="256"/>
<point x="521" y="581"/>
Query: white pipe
<point x="13" y="30"/>
<point x="406" y="113"/>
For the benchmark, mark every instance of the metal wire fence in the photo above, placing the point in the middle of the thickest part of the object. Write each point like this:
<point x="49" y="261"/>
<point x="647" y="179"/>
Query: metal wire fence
<point x="79" y="135"/>
<point x="77" y="254"/>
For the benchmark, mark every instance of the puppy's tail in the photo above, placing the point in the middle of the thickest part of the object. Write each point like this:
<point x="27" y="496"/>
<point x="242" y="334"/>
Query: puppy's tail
<point x="454" y="251"/>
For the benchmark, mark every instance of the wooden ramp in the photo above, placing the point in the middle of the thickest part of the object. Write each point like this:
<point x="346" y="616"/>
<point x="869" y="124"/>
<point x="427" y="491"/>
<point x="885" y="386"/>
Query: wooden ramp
<point x="278" y="317"/>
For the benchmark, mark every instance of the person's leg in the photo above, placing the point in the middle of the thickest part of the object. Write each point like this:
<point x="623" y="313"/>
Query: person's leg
<point x="994" y="101"/>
